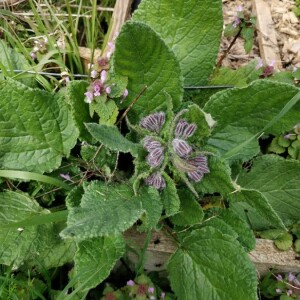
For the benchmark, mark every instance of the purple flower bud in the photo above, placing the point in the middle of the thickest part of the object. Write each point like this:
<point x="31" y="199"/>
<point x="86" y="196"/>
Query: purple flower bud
<point x="108" y="90"/>
<point x="103" y="76"/>
<point x="162" y="295"/>
<point x="150" y="144"/>
<point x="94" y="74"/>
<point x="153" y="122"/>
<point x="189" y="130"/>
<point x="278" y="277"/>
<point x="200" y="162"/>
<point x="195" y="176"/>
<point x="180" y="127"/>
<point x="130" y="283"/>
<point x="156" y="180"/>
<point x="97" y="94"/>
<point x="65" y="176"/>
<point x="89" y="97"/>
<point x="278" y="291"/>
<point x="151" y="290"/>
<point x="184" y="129"/>
<point x="291" y="277"/>
<point x="155" y="157"/>
<point x="182" y="148"/>
<point x="289" y="292"/>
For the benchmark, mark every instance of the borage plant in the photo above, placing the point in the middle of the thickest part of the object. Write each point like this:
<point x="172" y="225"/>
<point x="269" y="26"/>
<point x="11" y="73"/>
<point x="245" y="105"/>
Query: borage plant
<point x="203" y="174"/>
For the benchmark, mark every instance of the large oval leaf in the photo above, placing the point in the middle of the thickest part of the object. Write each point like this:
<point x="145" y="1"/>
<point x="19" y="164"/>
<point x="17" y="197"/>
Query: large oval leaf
<point x="36" y="128"/>
<point x="143" y="57"/>
<point x="104" y="210"/>
<point x="212" y="265"/>
<point x="243" y="113"/>
<point x="191" y="28"/>
<point x="278" y="180"/>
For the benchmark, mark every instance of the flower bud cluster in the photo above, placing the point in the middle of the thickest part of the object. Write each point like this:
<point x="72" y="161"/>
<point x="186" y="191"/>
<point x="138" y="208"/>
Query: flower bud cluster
<point x="195" y="167"/>
<point x="182" y="153"/>
<point x="155" y="158"/>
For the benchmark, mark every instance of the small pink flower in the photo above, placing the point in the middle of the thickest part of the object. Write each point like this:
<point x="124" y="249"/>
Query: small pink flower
<point x="291" y="277"/>
<point x="151" y="290"/>
<point x="33" y="55"/>
<point x="278" y="291"/>
<point x="289" y="292"/>
<point x="240" y="8"/>
<point x="103" y="76"/>
<point x="152" y="298"/>
<point x="89" y="97"/>
<point x="259" y="63"/>
<point x="163" y="295"/>
<point x="130" y="283"/>
<point x="94" y="74"/>
<point x="236" y="22"/>
<point x="108" y="90"/>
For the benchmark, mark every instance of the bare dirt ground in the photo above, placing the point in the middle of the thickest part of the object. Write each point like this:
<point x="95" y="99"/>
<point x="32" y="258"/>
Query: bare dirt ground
<point x="287" y="29"/>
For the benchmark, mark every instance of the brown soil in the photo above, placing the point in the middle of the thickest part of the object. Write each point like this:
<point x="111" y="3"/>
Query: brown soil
<point x="287" y="27"/>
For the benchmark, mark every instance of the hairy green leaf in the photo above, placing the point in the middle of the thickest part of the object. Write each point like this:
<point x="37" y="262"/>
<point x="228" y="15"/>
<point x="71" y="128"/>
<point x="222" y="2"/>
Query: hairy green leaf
<point x="104" y="210"/>
<point x="260" y="204"/>
<point x="152" y="206"/>
<point x="36" y="128"/>
<point x="191" y="29"/>
<point x="197" y="116"/>
<point x="262" y="106"/>
<point x="279" y="182"/>
<point x="143" y="57"/>
<point x="170" y="197"/>
<point x="239" y="77"/>
<point x="218" y="179"/>
<point x="241" y="227"/>
<point x="212" y="265"/>
<point x="111" y="137"/>
<point x="79" y="108"/>
<point x="36" y="245"/>
<point x="190" y="210"/>
<point x="95" y="258"/>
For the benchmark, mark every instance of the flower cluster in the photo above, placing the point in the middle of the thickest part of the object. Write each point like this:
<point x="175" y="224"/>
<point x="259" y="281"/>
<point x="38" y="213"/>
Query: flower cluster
<point x="182" y="154"/>
<point x="40" y="45"/>
<point x="98" y="87"/>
